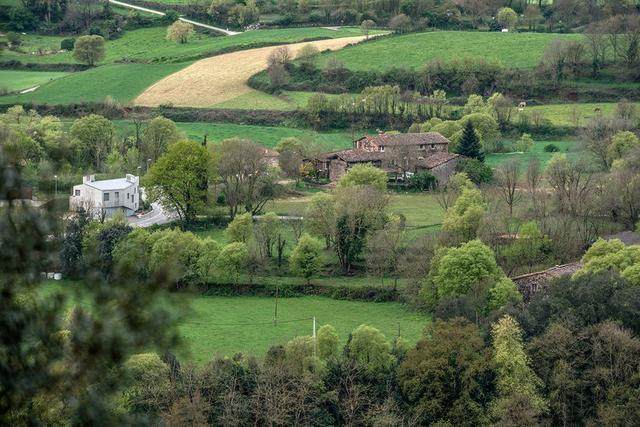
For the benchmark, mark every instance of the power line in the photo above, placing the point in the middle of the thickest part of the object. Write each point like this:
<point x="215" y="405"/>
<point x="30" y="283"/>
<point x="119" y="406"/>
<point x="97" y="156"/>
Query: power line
<point x="250" y="324"/>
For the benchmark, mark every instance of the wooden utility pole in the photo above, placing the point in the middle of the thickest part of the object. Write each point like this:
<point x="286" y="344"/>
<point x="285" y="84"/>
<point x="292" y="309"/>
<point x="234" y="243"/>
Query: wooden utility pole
<point x="275" y="313"/>
<point x="315" y="341"/>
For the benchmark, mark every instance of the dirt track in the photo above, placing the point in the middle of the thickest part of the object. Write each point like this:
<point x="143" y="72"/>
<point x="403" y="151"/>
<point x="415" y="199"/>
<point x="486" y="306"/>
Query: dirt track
<point x="220" y="78"/>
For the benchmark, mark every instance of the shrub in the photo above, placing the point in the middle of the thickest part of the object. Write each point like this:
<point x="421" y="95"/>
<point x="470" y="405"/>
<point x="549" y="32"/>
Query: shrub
<point x="240" y="229"/>
<point x="14" y="39"/>
<point x="180" y="32"/>
<point x="307" y="52"/>
<point x="477" y="171"/>
<point x="305" y="258"/>
<point x="68" y="43"/>
<point x="423" y="181"/>
<point x="232" y="261"/>
<point x="551" y="148"/>
<point x="89" y="49"/>
<point x="366" y="175"/>
<point x="170" y="16"/>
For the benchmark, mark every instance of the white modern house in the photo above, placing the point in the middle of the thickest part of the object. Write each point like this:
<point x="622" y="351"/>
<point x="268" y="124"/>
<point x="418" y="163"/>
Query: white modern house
<point x="106" y="197"/>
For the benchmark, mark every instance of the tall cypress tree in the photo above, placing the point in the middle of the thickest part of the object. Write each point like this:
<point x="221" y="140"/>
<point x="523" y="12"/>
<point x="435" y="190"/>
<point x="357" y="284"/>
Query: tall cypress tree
<point x="469" y="145"/>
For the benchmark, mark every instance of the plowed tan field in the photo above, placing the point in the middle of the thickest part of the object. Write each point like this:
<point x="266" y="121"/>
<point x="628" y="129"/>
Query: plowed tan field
<point x="220" y="78"/>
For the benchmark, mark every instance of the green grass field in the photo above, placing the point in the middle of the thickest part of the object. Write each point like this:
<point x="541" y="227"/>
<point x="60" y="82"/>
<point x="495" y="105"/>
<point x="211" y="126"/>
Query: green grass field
<point x="122" y="82"/>
<point x="269" y="136"/>
<point x="571" y="148"/>
<point x="256" y="100"/>
<point x="229" y="324"/>
<point x="521" y="50"/>
<point x="421" y="210"/>
<point x="13" y="80"/>
<point x="574" y="113"/>
<point x="151" y="45"/>
<point x="226" y="325"/>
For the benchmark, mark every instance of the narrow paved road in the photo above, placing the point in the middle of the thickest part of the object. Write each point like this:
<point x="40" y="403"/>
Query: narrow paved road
<point x="157" y="12"/>
<point x="157" y="216"/>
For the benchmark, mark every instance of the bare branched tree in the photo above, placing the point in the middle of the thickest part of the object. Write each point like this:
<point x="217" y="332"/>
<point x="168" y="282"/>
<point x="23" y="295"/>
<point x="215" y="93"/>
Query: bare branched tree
<point x="507" y="180"/>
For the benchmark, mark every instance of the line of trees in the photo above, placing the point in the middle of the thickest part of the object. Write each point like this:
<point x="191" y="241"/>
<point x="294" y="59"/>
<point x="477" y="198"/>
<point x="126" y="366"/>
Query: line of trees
<point x="411" y="15"/>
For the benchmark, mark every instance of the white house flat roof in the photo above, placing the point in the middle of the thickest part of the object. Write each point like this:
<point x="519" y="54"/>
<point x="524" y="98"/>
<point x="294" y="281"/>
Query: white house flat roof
<point x="111" y="184"/>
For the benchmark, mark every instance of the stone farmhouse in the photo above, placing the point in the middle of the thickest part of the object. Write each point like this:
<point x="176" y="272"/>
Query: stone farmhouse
<point x="401" y="155"/>
<point x="106" y="197"/>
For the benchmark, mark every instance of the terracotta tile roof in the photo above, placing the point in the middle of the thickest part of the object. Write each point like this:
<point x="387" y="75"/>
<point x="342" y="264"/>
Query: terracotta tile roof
<point x="355" y="155"/>
<point x="436" y="159"/>
<point x="529" y="284"/>
<point x="406" y="138"/>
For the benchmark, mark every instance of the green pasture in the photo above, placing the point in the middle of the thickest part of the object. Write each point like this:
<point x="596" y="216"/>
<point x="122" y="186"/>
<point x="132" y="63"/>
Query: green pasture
<point x="573" y="114"/>
<point x="122" y="82"/>
<point x="420" y="210"/>
<point x="14" y="80"/>
<point x="269" y="136"/>
<point x="226" y="325"/>
<point x="229" y="324"/>
<point x="36" y="48"/>
<point x="515" y="50"/>
<point x="256" y="100"/>
<point x="151" y="45"/>
<point x="570" y="148"/>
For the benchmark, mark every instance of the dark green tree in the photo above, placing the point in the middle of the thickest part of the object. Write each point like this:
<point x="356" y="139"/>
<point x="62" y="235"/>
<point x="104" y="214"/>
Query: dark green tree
<point x="58" y="368"/>
<point x="448" y="376"/>
<point x="469" y="145"/>
<point x="71" y="251"/>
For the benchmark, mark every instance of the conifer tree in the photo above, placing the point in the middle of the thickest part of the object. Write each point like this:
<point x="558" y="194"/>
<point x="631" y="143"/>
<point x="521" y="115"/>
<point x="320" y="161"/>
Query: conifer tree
<point x="469" y="145"/>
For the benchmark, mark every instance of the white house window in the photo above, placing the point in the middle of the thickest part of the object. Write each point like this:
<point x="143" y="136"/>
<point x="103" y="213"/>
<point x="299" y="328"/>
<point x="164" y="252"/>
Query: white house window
<point x="105" y="197"/>
<point x="422" y="146"/>
<point x="77" y="192"/>
<point x="382" y="148"/>
<point x="433" y="146"/>
<point x="117" y="195"/>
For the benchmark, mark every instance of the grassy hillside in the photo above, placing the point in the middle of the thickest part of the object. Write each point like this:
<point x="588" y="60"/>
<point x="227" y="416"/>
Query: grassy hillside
<point x="12" y="80"/>
<point x="568" y="114"/>
<point x="256" y="100"/>
<point x="521" y="50"/>
<point x="151" y="45"/>
<point x="123" y="82"/>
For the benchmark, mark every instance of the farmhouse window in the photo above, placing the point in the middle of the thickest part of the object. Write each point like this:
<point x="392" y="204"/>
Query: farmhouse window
<point x="433" y="146"/>
<point x="117" y="195"/>
<point x="105" y="197"/>
<point x="382" y="148"/>
<point x="77" y="192"/>
<point x="422" y="146"/>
